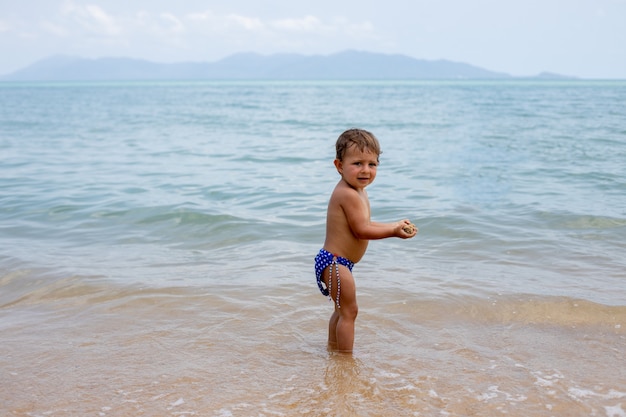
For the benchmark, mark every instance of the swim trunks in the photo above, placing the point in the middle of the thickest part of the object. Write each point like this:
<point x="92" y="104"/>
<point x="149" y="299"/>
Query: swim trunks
<point x="324" y="259"/>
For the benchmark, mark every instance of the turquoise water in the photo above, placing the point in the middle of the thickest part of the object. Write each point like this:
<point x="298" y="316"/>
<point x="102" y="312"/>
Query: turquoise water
<point x="516" y="187"/>
<point x="217" y="191"/>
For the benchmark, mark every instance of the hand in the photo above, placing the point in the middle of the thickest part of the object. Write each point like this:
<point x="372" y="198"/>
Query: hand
<point x="407" y="229"/>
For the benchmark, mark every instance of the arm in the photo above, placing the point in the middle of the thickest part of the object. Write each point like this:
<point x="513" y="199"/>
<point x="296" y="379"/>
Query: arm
<point x="399" y="228"/>
<point x="356" y="209"/>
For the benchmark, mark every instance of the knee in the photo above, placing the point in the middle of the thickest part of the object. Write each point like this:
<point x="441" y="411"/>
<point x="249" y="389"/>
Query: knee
<point x="349" y="311"/>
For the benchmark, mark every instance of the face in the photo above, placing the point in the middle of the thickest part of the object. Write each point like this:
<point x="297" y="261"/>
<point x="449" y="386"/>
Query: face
<point x="358" y="168"/>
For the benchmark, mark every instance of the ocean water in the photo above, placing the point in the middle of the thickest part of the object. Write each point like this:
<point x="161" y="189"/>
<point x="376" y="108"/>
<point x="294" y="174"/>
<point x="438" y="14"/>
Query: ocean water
<point x="157" y="244"/>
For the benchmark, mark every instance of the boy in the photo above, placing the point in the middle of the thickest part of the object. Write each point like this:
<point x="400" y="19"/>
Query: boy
<point x="348" y="230"/>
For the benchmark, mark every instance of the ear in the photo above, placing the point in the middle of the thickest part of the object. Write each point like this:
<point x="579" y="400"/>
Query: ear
<point x="339" y="166"/>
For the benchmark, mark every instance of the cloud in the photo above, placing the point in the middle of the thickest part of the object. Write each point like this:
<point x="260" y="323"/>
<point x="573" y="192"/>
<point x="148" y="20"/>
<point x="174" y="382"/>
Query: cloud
<point x="200" y="16"/>
<point x="175" y="25"/>
<point x="93" y="23"/>
<point x="92" y="18"/>
<point x="85" y="27"/>
<point x="360" y="30"/>
<point x="103" y="20"/>
<point x="207" y="21"/>
<point x="305" y="24"/>
<point x="248" y="23"/>
<point x="234" y="32"/>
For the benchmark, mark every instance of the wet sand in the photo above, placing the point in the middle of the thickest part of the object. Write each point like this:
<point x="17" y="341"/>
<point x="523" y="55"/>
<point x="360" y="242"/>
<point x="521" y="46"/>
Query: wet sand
<point x="78" y="348"/>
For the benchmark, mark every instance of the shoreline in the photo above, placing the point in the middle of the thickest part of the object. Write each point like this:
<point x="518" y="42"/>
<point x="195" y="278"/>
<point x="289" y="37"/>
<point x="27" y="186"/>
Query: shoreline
<point x="262" y="350"/>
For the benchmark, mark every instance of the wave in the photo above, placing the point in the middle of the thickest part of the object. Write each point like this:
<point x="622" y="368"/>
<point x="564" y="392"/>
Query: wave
<point x="521" y="309"/>
<point x="45" y="289"/>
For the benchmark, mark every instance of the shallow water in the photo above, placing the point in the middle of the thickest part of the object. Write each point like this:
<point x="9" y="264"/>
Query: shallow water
<point x="157" y="239"/>
<point x="83" y="347"/>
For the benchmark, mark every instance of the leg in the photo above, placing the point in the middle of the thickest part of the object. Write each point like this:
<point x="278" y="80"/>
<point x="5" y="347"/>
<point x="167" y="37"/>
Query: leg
<point x="332" y="330"/>
<point x="341" y="323"/>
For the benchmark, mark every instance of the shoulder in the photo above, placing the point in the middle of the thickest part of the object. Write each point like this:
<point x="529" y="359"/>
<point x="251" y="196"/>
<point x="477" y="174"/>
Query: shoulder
<point x="344" y="194"/>
<point x="343" y="190"/>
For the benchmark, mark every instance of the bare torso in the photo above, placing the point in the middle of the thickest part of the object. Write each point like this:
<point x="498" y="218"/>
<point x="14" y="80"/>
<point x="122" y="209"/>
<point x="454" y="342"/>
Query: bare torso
<point x="341" y="239"/>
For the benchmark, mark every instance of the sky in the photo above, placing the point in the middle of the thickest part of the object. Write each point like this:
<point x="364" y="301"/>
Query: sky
<point x="582" y="38"/>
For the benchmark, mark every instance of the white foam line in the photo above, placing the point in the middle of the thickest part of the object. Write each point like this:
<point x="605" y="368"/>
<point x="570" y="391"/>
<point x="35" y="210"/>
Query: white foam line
<point x="616" y="411"/>
<point x="178" y="402"/>
<point x="579" y="393"/>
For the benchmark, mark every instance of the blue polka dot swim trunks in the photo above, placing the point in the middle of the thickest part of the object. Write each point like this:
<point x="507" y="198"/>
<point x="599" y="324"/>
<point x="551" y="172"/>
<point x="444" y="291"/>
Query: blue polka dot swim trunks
<point x="323" y="260"/>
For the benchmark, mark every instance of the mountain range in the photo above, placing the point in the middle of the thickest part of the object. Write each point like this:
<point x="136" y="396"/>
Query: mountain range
<point x="347" y="65"/>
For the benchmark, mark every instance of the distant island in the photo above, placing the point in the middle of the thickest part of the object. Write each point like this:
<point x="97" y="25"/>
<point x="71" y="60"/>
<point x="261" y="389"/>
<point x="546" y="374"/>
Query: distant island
<point x="347" y="65"/>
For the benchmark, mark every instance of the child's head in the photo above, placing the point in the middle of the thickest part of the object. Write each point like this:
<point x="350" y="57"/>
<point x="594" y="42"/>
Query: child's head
<point x="360" y="138"/>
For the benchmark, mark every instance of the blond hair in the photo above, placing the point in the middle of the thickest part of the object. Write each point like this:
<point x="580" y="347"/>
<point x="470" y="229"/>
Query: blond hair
<point x="362" y="139"/>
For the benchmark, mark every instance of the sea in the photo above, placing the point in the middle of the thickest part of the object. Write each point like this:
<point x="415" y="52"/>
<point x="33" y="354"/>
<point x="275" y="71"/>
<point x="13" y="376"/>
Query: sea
<point x="157" y="243"/>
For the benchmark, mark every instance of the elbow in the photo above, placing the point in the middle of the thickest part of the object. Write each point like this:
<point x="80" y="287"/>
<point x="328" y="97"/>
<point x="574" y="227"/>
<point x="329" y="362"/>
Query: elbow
<point x="360" y="234"/>
<point x="364" y="234"/>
